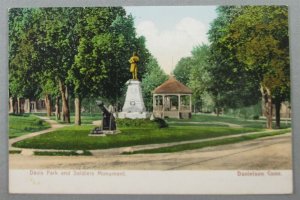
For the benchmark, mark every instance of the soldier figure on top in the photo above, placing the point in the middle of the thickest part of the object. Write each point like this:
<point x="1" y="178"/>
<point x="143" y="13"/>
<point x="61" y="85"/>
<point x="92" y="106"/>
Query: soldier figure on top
<point x="133" y="65"/>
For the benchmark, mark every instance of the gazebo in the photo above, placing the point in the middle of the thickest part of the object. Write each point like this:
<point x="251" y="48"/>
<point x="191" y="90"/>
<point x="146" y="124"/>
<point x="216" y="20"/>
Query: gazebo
<point x="172" y="99"/>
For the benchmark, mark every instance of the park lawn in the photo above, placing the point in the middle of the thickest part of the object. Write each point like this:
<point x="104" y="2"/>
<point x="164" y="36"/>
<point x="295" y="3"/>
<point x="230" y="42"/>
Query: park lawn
<point x="15" y="151"/>
<point x="62" y="153"/>
<point x="227" y="119"/>
<point x="24" y="124"/>
<point x="85" y="118"/>
<point x="216" y="142"/>
<point x="76" y="137"/>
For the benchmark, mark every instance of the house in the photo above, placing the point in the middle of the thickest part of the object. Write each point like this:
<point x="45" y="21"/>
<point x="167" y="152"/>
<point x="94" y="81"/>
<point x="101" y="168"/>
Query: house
<point x="22" y="105"/>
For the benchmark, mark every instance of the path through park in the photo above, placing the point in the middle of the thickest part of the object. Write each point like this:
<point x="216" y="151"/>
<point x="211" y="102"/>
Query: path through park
<point x="53" y="126"/>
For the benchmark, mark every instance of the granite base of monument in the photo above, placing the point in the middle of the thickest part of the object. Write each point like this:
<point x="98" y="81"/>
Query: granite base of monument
<point x="134" y="107"/>
<point x="99" y="132"/>
<point x="134" y="115"/>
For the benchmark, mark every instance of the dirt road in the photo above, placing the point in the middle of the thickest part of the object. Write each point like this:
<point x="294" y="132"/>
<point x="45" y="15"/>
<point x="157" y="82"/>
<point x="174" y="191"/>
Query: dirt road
<point x="264" y="153"/>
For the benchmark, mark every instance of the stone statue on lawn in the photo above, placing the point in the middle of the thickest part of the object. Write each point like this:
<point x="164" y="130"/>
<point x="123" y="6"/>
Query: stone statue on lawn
<point x="133" y="65"/>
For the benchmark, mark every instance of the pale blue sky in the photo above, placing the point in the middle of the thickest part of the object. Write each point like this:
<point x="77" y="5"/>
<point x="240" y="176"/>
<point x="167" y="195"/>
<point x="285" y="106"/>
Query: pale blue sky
<point x="172" y="31"/>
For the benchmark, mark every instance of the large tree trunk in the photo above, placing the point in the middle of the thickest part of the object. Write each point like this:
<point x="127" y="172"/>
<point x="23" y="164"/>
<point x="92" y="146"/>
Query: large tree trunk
<point x="77" y="111"/>
<point x="48" y="105"/>
<point x="218" y="111"/>
<point x="268" y="107"/>
<point x="277" y="113"/>
<point x="57" y="111"/>
<point x="11" y="105"/>
<point x="65" y="105"/>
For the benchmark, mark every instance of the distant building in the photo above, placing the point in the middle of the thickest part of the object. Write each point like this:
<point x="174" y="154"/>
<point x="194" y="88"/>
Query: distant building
<point x="172" y="99"/>
<point x="27" y="106"/>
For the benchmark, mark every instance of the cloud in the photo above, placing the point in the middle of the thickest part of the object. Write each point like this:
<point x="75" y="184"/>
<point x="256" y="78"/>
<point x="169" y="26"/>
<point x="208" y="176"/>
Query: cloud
<point x="170" y="45"/>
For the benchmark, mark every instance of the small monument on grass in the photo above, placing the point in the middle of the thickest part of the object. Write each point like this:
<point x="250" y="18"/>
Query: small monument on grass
<point x="108" y="125"/>
<point x="134" y="107"/>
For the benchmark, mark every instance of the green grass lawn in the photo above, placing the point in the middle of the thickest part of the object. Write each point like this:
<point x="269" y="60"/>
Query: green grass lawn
<point x="23" y="124"/>
<point x="216" y="142"/>
<point x="15" y="151"/>
<point x="62" y="153"/>
<point x="76" y="137"/>
<point x="227" y="119"/>
<point x="86" y="118"/>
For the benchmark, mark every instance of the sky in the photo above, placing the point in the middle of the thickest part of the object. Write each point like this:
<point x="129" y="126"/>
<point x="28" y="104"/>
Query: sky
<point x="171" y="32"/>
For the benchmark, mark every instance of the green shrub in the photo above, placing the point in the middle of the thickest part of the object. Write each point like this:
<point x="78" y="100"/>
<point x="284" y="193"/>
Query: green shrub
<point x="161" y="123"/>
<point x="141" y="123"/>
<point x="256" y="117"/>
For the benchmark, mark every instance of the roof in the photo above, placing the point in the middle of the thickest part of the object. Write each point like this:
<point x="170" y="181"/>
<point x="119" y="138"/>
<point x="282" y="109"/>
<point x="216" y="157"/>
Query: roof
<point x="172" y="86"/>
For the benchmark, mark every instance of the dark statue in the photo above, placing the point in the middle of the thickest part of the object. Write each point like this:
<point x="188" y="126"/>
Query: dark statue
<point x="108" y="121"/>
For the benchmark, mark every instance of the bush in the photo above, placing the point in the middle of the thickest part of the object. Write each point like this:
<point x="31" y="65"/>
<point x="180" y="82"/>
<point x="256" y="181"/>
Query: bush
<point x="161" y="123"/>
<point x="141" y="123"/>
<point x="256" y="117"/>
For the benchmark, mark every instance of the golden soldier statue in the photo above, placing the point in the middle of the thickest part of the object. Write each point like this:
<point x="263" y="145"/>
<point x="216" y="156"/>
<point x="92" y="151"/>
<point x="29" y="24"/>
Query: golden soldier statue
<point x="133" y="65"/>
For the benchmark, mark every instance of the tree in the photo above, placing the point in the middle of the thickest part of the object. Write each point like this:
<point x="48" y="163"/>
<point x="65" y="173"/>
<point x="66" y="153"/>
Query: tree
<point x="24" y="82"/>
<point x="250" y="52"/>
<point x="125" y="43"/>
<point x="183" y="69"/>
<point x="75" y="51"/>
<point x="260" y="37"/>
<point x="58" y="44"/>
<point x="154" y="77"/>
<point x="103" y="54"/>
<point x="199" y="76"/>
<point x="194" y="72"/>
<point x="40" y="50"/>
<point x="232" y="85"/>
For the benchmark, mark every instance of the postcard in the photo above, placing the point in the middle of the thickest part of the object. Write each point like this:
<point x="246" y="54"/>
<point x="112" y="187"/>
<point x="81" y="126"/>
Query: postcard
<point x="150" y="100"/>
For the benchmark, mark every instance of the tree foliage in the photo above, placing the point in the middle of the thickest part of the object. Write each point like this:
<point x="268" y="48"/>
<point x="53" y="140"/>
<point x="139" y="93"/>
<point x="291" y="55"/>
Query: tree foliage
<point x="232" y="85"/>
<point x="194" y="72"/>
<point x="182" y="70"/>
<point x="153" y="77"/>
<point x="79" y="52"/>
<point x="250" y="52"/>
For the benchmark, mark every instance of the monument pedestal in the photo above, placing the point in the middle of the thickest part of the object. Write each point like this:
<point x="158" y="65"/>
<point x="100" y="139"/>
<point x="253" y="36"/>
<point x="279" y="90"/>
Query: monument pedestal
<point x="134" y="107"/>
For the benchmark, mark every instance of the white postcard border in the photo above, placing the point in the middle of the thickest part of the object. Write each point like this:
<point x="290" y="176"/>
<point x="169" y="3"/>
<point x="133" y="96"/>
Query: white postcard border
<point x="150" y="182"/>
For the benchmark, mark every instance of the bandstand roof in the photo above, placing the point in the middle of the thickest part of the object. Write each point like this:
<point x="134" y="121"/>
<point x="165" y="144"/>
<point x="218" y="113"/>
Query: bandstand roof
<point x="172" y="86"/>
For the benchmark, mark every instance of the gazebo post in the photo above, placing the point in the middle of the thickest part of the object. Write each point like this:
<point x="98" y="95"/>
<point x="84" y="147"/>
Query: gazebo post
<point x="154" y="102"/>
<point x="190" y="103"/>
<point x="163" y="106"/>
<point x="179" y="105"/>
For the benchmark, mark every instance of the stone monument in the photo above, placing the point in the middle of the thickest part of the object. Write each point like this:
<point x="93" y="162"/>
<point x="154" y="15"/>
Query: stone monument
<point x="134" y="107"/>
